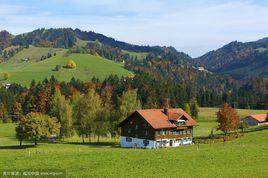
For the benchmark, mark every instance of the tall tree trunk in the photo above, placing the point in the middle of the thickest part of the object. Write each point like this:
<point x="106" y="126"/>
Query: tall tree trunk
<point x="35" y="141"/>
<point x="98" y="139"/>
<point x="89" y="138"/>
<point x="83" y="138"/>
<point x="20" y="143"/>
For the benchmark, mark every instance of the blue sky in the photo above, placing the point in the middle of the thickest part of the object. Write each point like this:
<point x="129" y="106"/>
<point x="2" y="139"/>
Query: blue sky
<point x="191" y="26"/>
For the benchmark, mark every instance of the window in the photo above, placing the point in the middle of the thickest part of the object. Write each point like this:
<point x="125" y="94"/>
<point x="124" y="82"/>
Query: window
<point x="129" y="131"/>
<point x="146" y="142"/>
<point x="136" y="127"/>
<point x="162" y="132"/>
<point x="146" y="132"/>
<point x="189" y="131"/>
<point x="128" y="139"/>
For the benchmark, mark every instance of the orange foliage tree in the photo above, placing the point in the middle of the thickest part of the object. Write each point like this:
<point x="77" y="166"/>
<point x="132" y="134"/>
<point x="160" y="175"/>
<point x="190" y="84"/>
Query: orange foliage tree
<point x="6" y="75"/>
<point x="228" y="119"/>
<point x="71" y="64"/>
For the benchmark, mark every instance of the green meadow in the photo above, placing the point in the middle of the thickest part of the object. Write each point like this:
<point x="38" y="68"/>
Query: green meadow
<point x="87" y="66"/>
<point x="243" y="157"/>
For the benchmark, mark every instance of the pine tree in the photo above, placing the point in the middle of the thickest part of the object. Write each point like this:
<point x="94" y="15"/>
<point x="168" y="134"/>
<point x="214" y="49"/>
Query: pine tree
<point x="194" y="108"/>
<point x="187" y="108"/>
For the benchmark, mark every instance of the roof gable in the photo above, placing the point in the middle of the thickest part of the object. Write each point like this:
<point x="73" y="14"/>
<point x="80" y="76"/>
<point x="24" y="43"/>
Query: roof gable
<point x="259" y="117"/>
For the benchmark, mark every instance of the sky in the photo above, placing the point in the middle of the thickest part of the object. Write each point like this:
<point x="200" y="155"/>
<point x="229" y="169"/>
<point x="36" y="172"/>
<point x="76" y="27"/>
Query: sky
<point x="192" y="26"/>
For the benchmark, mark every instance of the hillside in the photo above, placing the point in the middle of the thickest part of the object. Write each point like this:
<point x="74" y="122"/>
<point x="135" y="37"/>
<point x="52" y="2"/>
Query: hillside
<point x="241" y="60"/>
<point x="87" y="66"/>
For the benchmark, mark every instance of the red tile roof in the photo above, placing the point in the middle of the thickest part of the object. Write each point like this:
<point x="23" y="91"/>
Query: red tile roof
<point x="159" y="120"/>
<point x="259" y="117"/>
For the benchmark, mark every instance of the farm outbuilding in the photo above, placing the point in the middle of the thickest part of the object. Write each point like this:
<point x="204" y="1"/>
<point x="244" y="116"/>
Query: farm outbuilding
<point x="256" y="119"/>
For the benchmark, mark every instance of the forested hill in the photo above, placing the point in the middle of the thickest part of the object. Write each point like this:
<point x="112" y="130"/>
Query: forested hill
<point x="241" y="60"/>
<point x="67" y="37"/>
<point x="175" y="73"/>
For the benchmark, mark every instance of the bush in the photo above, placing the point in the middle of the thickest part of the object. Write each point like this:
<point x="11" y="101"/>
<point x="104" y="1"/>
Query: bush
<point x="57" y="68"/>
<point x="71" y="64"/>
<point x="6" y="75"/>
<point x="8" y="120"/>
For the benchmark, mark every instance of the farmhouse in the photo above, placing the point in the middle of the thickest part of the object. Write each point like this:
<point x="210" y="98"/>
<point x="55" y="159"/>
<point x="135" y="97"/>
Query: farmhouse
<point x="154" y="128"/>
<point x="257" y="119"/>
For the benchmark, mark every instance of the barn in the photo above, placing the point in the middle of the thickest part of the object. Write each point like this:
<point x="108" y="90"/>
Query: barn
<point x="256" y="119"/>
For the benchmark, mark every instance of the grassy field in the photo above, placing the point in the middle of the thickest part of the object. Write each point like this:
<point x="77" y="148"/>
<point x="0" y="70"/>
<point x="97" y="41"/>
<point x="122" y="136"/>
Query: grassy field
<point x="243" y="157"/>
<point x="87" y="66"/>
<point x="135" y="54"/>
<point x="207" y="118"/>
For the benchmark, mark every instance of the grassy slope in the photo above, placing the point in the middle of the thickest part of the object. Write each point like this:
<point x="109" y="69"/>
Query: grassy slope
<point x="243" y="157"/>
<point x="135" y="54"/>
<point x="87" y="67"/>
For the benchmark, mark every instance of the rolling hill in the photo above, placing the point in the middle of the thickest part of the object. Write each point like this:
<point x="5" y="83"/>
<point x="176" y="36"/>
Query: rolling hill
<point x="24" y="72"/>
<point x="240" y="60"/>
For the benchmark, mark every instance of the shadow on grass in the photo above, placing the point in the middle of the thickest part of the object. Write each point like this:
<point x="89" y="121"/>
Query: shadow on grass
<point x="16" y="147"/>
<point x="95" y="144"/>
<point x="257" y="128"/>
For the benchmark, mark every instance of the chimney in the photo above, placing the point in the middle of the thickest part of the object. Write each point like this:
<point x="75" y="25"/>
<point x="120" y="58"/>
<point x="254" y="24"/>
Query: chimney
<point x="166" y="112"/>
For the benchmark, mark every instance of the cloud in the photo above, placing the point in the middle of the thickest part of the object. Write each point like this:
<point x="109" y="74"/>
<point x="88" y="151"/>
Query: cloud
<point x="191" y="26"/>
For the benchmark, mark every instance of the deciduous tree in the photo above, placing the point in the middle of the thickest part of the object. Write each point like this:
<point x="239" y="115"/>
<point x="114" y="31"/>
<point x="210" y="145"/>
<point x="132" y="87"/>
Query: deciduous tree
<point x="35" y="126"/>
<point x="6" y="75"/>
<point x="228" y="119"/>
<point x="71" y="64"/>
<point x="62" y="110"/>
<point x="86" y="111"/>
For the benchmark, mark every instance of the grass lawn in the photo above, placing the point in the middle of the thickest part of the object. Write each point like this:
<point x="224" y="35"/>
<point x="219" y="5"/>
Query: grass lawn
<point x="133" y="54"/>
<point x="87" y="66"/>
<point x="243" y="157"/>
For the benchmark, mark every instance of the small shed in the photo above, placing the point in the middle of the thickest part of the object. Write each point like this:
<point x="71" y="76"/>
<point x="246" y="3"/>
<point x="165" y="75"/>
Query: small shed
<point x="256" y="119"/>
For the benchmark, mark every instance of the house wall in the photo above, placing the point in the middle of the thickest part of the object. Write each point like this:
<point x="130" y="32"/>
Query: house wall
<point x="130" y="142"/>
<point x="137" y="127"/>
<point x="250" y="121"/>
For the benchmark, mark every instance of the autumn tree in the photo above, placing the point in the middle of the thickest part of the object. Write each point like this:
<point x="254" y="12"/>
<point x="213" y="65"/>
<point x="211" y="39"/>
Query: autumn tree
<point x="35" y="126"/>
<point x="3" y="112"/>
<point x="227" y="118"/>
<point x="62" y="110"/>
<point x="17" y="110"/>
<point x="71" y="64"/>
<point x="86" y="111"/>
<point x="6" y="75"/>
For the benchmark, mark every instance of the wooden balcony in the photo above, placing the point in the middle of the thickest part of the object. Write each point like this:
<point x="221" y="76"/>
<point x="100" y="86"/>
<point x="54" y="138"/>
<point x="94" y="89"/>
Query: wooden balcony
<point x="171" y="136"/>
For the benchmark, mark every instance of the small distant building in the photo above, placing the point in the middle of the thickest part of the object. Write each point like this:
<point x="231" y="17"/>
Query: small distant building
<point x="256" y="119"/>
<point x="7" y="85"/>
<point x="154" y="128"/>
<point x="201" y="68"/>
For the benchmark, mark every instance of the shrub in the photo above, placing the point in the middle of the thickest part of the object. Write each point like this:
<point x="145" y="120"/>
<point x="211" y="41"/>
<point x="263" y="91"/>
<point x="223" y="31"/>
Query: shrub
<point x="6" y="75"/>
<point x="71" y="64"/>
<point x="57" y="68"/>
<point x="8" y="120"/>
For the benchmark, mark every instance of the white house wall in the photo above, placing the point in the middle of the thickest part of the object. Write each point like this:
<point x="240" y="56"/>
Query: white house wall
<point x="139" y="143"/>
